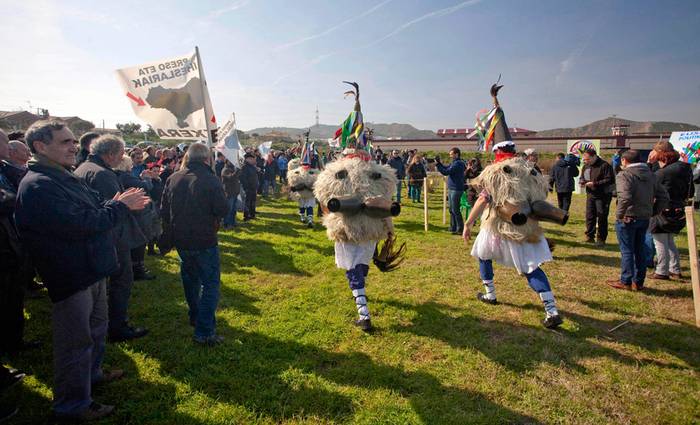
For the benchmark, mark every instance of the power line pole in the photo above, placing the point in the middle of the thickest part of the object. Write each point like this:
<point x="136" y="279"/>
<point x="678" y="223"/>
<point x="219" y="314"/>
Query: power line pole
<point x="317" y="122"/>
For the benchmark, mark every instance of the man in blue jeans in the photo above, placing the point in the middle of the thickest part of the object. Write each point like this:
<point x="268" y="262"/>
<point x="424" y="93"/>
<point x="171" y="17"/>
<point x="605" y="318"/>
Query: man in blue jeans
<point x="192" y="205"/>
<point x="455" y="188"/>
<point x="639" y="194"/>
<point x="396" y="162"/>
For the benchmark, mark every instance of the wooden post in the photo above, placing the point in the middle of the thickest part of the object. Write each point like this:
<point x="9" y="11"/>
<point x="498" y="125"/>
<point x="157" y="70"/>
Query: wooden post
<point x="444" y="200"/>
<point x="425" y="202"/>
<point x="693" y="252"/>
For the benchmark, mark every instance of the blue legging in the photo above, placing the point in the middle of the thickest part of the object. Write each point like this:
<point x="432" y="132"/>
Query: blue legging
<point x="537" y="279"/>
<point x="356" y="277"/>
<point x="307" y="210"/>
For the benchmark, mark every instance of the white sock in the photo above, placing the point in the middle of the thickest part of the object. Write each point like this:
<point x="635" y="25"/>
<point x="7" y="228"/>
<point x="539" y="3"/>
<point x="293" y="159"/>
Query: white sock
<point x="490" y="290"/>
<point x="303" y="218"/>
<point x="361" y="303"/>
<point x="550" y="306"/>
<point x="310" y="219"/>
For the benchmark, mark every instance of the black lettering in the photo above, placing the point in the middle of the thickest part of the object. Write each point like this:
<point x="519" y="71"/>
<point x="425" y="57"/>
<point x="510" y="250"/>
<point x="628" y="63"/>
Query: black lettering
<point x="144" y="81"/>
<point x="141" y="71"/>
<point x="156" y="78"/>
<point x="152" y="69"/>
<point x="199" y="133"/>
<point x="136" y="83"/>
<point x="162" y="133"/>
<point x="186" y="133"/>
<point x="161" y="66"/>
<point x="173" y="133"/>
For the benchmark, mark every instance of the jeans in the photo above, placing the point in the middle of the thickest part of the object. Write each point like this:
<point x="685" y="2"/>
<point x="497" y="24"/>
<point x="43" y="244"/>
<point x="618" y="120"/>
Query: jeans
<point x="230" y="218"/>
<point x="266" y="186"/>
<point x="537" y="279"/>
<point x="630" y="237"/>
<point x="415" y="192"/>
<point x="564" y="200"/>
<point x="79" y="325"/>
<point x="200" y="273"/>
<point x="666" y="254"/>
<point x="456" y="220"/>
<point x="398" y="191"/>
<point x="250" y="200"/>
<point x="650" y="249"/>
<point x="119" y="292"/>
<point x="597" y="209"/>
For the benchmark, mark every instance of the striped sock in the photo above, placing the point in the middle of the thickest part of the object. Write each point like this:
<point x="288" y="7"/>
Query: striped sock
<point x="550" y="306"/>
<point x="361" y="303"/>
<point x="490" y="289"/>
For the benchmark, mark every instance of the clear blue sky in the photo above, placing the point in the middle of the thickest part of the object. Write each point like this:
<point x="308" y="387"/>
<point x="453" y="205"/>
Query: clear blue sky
<point x="428" y="63"/>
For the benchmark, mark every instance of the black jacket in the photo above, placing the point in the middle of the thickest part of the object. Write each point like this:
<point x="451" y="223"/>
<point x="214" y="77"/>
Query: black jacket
<point x="249" y="178"/>
<point x="602" y="176"/>
<point x="230" y="181"/>
<point x="677" y="178"/>
<point x="562" y="176"/>
<point x="192" y="205"/>
<point x="66" y="228"/>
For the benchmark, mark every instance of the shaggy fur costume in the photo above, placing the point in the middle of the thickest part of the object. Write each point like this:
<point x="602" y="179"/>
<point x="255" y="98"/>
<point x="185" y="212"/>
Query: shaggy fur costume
<point x="363" y="179"/>
<point x="520" y="186"/>
<point x="297" y="176"/>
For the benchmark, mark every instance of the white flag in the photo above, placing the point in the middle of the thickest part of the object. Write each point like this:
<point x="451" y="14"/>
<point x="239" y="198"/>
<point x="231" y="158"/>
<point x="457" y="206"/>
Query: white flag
<point x="228" y="141"/>
<point x="264" y="149"/>
<point x="169" y="95"/>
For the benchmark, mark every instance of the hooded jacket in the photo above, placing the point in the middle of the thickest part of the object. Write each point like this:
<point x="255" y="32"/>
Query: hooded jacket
<point x="562" y="176"/>
<point x="639" y="193"/>
<point x="677" y="178"/>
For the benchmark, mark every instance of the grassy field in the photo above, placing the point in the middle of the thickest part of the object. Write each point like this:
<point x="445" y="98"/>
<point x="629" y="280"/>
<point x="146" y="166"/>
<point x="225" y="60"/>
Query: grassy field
<point x="437" y="356"/>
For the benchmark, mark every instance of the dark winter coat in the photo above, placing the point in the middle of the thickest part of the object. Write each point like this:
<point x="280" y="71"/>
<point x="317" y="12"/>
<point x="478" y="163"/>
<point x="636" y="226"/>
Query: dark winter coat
<point x="249" y="178"/>
<point x="396" y="162"/>
<point x="416" y="174"/>
<point x="677" y="179"/>
<point x="192" y="205"/>
<point x="230" y="180"/>
<point x="602" y="176"/>
<point x="67" y="229"/>
<point x="455" y="173"/>
<point x="562" y="176"/>
<point x="639" y="193"/>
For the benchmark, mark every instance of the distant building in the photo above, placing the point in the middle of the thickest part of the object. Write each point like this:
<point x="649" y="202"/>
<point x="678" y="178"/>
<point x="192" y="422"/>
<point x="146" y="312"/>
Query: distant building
<point x="21" y="120"/>
<point x="463" y="133"/>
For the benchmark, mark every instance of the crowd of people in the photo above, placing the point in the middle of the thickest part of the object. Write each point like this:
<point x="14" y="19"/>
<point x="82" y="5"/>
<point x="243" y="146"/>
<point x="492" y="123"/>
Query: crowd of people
<point x="83" y="214"/>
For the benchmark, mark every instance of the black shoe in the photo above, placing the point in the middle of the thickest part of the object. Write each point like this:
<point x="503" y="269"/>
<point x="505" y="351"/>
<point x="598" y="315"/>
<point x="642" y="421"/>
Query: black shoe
<point x="364" y="324"/>
<point x="94" y="412"/>
<point x="590" y="240"/>
<point x="128" y="334"/>
<point x="10" y="380"/>
<point x="552" y="322"/>
<point x="209" y="340"/>
<point x="143" y="274"/>
<point x="481" y="297"/>
<point x="7" y="411"/>
<point x="310" y="225"/>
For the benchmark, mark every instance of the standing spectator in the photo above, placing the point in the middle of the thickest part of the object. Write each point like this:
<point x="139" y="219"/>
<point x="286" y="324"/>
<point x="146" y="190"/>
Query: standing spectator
<point x="73" y="249"/>
<point x="138" y="166"/>
<point x="168" y="168"/>
<point x="106" y="152"/>
<point x="416" y="175"/>
<point x="282" y="163"/>
<point x="677" y="178"/>
<point x="249" y="183"/>
<point x="149" y="155"/>
<point x="232" y="188"/>
<point x="192" y="205"/>
<point x="219" y="165"/>
<point x="19" y="154"/>
<point x="473" y="170"/>
<point x="85" y="142"/>
<point x="455" y="188"/>
<point x="396" y="162"/>
<point x="271" y="171"/>
<point x="598" y="178"/>
<point x="260" y="164"/>
<point x="561" y="178"/>
<point x="638" y="193"/>
<point x="532" y="157"/>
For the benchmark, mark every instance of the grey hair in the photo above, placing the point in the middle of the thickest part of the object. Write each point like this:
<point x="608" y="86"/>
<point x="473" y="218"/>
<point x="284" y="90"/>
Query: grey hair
<point x="15" y="145"/>
<point x="106" y="144"/>
<point x="197" y="152"/>
<point x="42" y="131"/>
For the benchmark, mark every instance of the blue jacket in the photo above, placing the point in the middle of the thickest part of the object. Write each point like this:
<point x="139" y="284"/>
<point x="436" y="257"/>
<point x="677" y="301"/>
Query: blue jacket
<point x="397" y="164"/>
<point x="67" y="229"/>
<point x="455" y="173"/>
<point x="562" y="176"/>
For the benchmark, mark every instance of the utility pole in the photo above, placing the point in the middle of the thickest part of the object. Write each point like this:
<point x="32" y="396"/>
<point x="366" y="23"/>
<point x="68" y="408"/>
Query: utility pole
<point x="317" y="122"/>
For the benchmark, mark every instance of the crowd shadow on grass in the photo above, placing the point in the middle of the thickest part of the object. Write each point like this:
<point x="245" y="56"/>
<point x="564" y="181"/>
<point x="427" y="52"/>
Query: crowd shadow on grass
<point x="237" y="255"/>
<point x="598" y="260"/>
<point x="521" y="348"/>
<point x="283" y="379"/>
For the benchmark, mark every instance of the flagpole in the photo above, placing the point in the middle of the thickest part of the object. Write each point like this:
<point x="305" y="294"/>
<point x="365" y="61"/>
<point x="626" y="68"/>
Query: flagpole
<point x="204" y="102"/>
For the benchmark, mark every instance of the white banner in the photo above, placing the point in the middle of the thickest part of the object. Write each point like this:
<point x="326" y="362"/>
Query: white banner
<point x="264" y="149"/>
<point x="169" y="95"/>
<point x="687" y="143"/>
<point x="228" y="141"/>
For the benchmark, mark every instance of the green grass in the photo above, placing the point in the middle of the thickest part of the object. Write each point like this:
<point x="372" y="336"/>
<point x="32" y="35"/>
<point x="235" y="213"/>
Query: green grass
<point x="438" y="355"/>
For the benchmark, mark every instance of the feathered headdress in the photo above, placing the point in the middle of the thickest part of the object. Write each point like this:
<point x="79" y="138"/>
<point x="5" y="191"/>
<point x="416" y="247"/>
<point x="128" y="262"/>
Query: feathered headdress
<point x="491" y="125"/>
<point x="353" y="137"/>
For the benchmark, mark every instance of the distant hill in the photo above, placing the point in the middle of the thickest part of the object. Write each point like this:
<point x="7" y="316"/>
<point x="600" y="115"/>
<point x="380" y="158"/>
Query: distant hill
<point x="325" y="131"/>
<point x="602" y="127"/>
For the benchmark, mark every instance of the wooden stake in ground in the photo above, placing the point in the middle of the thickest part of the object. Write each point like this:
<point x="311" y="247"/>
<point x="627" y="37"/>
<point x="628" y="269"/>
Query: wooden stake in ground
<point x="444" y="200"/>
<point x="425" y="202"/>
<point x="693" y="251"/>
